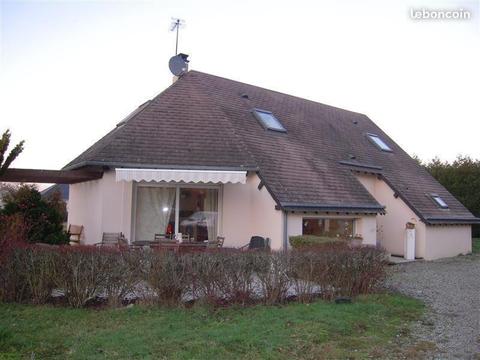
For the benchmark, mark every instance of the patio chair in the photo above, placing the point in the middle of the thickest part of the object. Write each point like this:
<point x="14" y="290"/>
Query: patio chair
<point x="257" y="243"/>
<point x="162" y="237"/>
<point x="112" y="239"/>
<point x="75" y="233"/>
<point x="216" y="244"/>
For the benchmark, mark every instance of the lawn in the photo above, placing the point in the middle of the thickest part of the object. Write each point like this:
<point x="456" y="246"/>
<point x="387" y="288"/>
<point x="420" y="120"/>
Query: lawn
<point x="370" y="327"/>
<point x="476" y="245"/>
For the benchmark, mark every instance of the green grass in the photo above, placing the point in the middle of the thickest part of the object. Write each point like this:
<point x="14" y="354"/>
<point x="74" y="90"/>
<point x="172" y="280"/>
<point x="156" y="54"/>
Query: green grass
<point x="476" y="245"/>
<point x="368" y="327"/>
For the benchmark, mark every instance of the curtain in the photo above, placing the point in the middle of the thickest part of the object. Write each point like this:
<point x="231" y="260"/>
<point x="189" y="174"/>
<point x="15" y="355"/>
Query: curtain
<point x="211" y="212"/>
<point x="154" y="208"/>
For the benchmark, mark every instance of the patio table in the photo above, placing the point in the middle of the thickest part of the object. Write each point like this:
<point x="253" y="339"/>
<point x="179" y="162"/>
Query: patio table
<point x="170" y="245"/>
<point x="180" y="247"/>
<point x="192" y="247"/>
<point x="141" y="243"/>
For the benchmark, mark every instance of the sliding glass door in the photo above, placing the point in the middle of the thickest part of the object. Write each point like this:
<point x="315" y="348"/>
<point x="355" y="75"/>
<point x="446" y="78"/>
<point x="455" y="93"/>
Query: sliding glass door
<point x="181" y="209"/>
<point x="155" y="212"/>
<point x="198" y="213"/>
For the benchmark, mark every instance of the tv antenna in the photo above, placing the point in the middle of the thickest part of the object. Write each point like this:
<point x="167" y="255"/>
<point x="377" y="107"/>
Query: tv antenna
<point x="175" y="26"/>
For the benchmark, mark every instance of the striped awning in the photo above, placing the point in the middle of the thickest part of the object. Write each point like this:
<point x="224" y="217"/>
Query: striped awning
<point x="187" y="176"/>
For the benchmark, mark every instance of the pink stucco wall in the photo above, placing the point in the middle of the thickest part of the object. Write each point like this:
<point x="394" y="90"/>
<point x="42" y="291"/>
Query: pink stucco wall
<point x="102" y="205"/>
<point x="248" y="211"/>
<point x="105" y="205"/>
<point x="446" y="241"/>
<point x="391" y="227"/>
<point x="85" y="209"/>
<point x="432" y="242"/>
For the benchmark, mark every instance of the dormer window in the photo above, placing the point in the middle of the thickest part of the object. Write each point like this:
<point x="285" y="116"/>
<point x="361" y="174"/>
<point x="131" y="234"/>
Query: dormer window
<point x="268" y="120"/>
<point x="378" y="142"/>
<point x="439" y="201"/>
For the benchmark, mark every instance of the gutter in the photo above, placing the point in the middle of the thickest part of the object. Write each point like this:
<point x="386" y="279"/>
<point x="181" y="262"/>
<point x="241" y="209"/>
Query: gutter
<point x="368" y="209"/>
<point x="158" y="166"/>
<point x="451" y="221"/>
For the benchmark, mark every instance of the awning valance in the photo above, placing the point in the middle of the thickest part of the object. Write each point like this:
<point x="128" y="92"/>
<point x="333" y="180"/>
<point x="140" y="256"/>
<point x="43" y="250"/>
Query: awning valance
<point x="187" y="176"/>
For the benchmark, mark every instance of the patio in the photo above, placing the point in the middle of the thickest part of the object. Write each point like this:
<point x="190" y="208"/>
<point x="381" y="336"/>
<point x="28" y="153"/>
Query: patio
<point x="181" y="243"/>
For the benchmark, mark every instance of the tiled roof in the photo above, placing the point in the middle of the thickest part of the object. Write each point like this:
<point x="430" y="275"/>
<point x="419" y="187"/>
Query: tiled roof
<point x="205" y="121"/>
<point x="63" y="189"/>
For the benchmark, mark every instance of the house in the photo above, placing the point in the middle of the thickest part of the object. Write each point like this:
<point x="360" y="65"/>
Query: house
<point x="211" y="156"/>
<point x="62" y="189"/>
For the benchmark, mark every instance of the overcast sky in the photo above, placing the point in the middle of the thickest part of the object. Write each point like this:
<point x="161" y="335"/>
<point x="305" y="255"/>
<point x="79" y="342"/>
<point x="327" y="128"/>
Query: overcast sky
<point x="70" y="71"/>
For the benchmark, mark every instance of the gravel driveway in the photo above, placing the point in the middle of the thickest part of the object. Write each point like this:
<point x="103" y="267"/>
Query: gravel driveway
<point x="451" y="290"/>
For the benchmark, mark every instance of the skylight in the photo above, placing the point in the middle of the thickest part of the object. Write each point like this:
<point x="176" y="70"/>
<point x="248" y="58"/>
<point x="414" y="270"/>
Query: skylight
<point x="382" y="145"/>
<point x="268" y="120"/>
<point x="440" y="202"/>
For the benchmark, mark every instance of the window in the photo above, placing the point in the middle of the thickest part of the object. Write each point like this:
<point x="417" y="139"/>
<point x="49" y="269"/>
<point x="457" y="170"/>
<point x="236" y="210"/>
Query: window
<point x="379" y="142"/>
<point x="198" y="213"/>
<point x="328" y="227"/>
<point x="268" y="120"/>
<point x="170" y="210"/>
<point x="155" y="212"/>
<point x="439" y="201"/>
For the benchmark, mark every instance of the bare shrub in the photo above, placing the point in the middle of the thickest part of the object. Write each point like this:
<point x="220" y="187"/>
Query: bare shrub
<point x="27" y="275"/>
<point x="31" y="272"/>
<point x="167" y="275"/>
<point x="339" y="269"/>
<point x="222" y="277"/>
<point x="34" y="266"/>
<point x="80" y="271"/>
<point x="272" y="272"/>
<point x="238" y="277"/>
<point x="361" y="272"/>
<point x="206" y="276"/>
<point x="306" y="273"/>
<point x="122" y="274"/>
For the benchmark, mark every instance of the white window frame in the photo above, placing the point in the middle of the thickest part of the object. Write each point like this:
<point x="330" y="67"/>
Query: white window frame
<point x="257" y="113"/>
<point x="177" y="187"/>
<point x="439" y="201"/>
<point x="380" y="144"/>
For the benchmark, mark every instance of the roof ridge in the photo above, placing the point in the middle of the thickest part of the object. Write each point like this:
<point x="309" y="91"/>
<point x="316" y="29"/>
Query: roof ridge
<point x="277" y="92"/>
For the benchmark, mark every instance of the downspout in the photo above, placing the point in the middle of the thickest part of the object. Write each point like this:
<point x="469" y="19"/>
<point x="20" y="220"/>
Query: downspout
<point x="285" y="231"/>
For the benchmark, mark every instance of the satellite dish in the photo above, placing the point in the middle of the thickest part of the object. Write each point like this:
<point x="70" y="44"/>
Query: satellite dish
<point x="178" y="64"/>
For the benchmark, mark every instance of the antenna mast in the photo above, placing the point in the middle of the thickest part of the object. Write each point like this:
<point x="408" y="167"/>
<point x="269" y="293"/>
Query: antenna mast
<point x="175" y="26"/>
